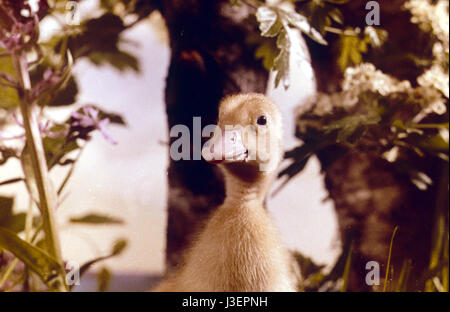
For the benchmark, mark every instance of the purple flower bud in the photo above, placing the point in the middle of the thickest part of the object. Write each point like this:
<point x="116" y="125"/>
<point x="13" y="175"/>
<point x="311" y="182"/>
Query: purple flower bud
<point x="88" y="119"/>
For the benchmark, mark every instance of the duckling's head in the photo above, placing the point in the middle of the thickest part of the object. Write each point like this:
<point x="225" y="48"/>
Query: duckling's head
<point x="247" y="141"/>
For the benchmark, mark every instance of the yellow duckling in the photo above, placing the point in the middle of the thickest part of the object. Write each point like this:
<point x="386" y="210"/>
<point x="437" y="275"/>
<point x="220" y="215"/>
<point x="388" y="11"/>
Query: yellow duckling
<point x="239" y="248"/>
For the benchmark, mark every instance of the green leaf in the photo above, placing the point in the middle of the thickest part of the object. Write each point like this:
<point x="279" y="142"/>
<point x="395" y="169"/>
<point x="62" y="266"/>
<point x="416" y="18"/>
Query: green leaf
<point x="337" y="16"/>
<point x="6" y="153"/>
<point x="300" y="22"/>
<point x="27" y="168"/>
<point x="281" y="64"/>
<point x="103" y="279"/>
<point x="46" y="267"/>
<point x="267" y="51"/>
<point x="64" y="92"/>
<point x="321" y="14"/>
<point x="46" y="90"/>
<point x="117" y="249"/>
<point x="93" y="218"/>
<point x="118" y="59"/>
<point x="301" y="154"/>
<point x="274" y="21"/>
<point x="57" y="147"/>
<point x="8" y="220"/>
<point x="307" y="265"/>
<point x="100" y="42"/>
<point x="8" y="96"/>
<point x="296" y="167"/>
<point x="353" y="45"/>
<point x="269" y="23"/>
<point x="350" y="51"/>
<point x="67" y="95"/>
<point x="435" y="143"/>
<point x="348" y="126"/>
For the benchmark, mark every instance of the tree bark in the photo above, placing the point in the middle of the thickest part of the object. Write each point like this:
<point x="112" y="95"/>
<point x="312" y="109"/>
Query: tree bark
<point x="209" y="59"/>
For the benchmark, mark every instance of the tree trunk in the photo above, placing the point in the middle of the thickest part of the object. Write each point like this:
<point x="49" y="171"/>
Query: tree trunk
<point x="371" y="197"/>
<point x="209" y="59"/>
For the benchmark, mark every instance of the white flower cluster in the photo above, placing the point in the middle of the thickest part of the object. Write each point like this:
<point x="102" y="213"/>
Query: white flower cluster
<point x="429" y="17"/>
<point x="433" y="83"/>
<point x="377" y="36"/>
<point x="431" y="101"/>
<point x="324" y="103"/>
<point x="434" y="18"/>
<point x="357" y="80"/>
<point x="435" y="77"/>
<point x="365" y="77"/>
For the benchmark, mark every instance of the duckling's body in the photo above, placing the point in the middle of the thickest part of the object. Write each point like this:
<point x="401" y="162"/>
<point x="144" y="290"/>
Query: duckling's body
<point x="239" y="248"/>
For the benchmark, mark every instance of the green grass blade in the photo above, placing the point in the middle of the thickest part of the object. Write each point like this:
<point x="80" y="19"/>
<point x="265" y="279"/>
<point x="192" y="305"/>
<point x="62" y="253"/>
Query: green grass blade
<point x="346" y="274"/>
<point x="404" y="274"/>
<point x="389" y="259"/>
<point x="445" y="268"/>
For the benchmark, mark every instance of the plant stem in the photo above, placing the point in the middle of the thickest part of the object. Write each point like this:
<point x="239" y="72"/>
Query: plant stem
<point x="253" y="3"/>
<point x="34" y="146"/>
<point x="340" y="32"/>
<point x="8" y="271"/>
<point x="29" y="221"/>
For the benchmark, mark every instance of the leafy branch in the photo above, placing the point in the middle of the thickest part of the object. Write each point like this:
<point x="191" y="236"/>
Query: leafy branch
<point x="47" y="196"/>
<point x="34" y="75"/>
<point x="282" y="22"/>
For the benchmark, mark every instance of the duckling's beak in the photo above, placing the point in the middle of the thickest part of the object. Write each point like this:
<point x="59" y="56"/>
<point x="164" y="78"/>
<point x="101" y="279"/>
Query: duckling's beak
<point x="225" y="147"/>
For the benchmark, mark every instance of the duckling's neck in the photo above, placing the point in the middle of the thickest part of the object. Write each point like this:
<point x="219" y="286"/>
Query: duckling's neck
<point x="246" y="189"/>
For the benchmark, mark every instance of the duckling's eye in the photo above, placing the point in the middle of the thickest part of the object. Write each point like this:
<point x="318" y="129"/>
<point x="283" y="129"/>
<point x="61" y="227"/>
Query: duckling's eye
<point x="262" y="121"/>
